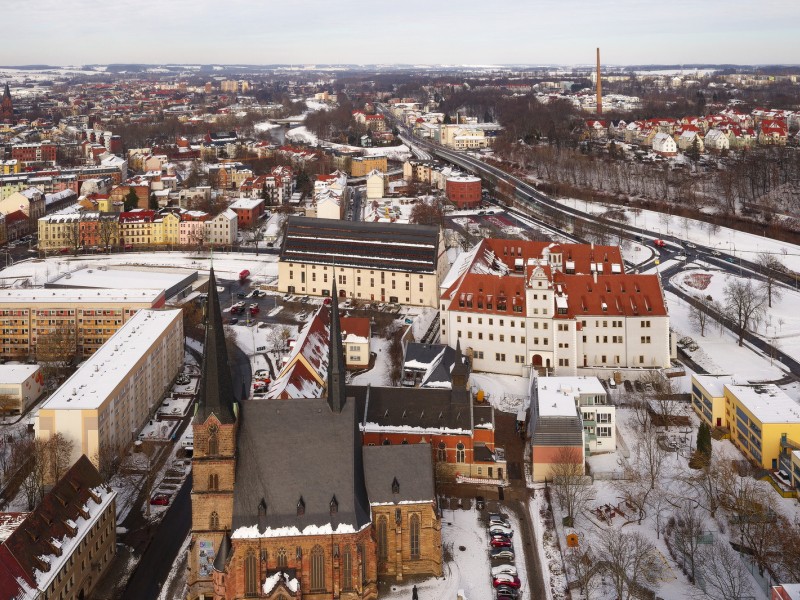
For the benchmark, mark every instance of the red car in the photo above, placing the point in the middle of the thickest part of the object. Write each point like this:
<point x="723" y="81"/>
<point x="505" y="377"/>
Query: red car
<point x="505" y="579"/>
<point x="659" y="243"/>
<point x="499" y="541"/>
<point x="159" y="500"/>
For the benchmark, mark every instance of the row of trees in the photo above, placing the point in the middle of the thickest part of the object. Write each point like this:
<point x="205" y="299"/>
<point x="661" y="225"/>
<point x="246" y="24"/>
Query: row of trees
<point x="35" y="461"/>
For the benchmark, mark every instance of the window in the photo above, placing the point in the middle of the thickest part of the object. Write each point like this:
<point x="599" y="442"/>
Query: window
<point x="213" y="521"/>
<point x="282" y="558"/>
<point x="414" y="536"/>
<point x="213" y="442"/>
<point x="645" y="339"/>
<point x="213" y="482"/>
<point x="460" y="453"/>
<point x="250" y="574"/>
<point x="499" y="357"/>
<point x="347" y="569"/>
<point x="317" y="568"/>
<point x="383" y="551"/>
<point x="645" y="323"/>
<point x="563" y="362"/>
<point x="604" y="432"/>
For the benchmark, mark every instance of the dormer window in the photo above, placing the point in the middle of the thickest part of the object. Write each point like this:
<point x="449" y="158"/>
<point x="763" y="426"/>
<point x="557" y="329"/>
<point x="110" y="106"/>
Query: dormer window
<point x="301" y="507"/>
<point x="334" y="505"/>
<point x="262" y="508"/>
<point x="395" y="486"/>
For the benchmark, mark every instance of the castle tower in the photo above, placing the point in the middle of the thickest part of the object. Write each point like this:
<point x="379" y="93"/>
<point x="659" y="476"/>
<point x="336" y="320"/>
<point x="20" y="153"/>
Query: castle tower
<point x="599" y="87"/>
<point x="214" y="460"/>
<point x="6" y="106"/>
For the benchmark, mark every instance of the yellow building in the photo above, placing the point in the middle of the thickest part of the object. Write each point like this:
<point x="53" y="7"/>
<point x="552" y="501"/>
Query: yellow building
<point x="708" y="398"/>
<point x="361" y="165"/>
<point x="92" y="315"/>
<point x="166" y="230"/>
<point x="9" y="167"/>
<point x="759" y="417"/>
<point x="103" y="405"/>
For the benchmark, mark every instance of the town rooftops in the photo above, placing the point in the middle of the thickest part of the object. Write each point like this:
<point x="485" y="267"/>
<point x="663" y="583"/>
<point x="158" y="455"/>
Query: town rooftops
<point x="246" y="203"/>
<point x="767" y="402"/>
<point x="714" y="384"/>
<point x="411" y="248"/>
<point x="92" y="383"/>
<point x="409" y="465"/>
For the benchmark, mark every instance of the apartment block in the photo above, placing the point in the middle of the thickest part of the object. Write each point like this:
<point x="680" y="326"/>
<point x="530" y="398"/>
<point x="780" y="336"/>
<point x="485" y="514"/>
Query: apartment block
<point x="103" y="405"/>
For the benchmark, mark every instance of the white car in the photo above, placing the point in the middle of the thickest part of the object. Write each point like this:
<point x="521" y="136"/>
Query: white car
<point x="497" y="529"/>
<point x="508" y="569"/>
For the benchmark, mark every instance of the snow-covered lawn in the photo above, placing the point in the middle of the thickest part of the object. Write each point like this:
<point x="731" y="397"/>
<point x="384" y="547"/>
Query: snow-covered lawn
<point x="507" y="393"/>
<point x="378" y="375"/>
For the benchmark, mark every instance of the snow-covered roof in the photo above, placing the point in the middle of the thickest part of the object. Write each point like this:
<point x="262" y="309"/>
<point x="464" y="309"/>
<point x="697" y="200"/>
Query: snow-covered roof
<point x="119" y="279"/>
<point x="77" y="296"/>
<point x="291" y="583"/>
<point x="16" y="374"/>
<point x="767" y="402"/>
<point x="557" y="395"/>
<point x="246" y="203"/>
<point x="92" y="383"/>
<point x="714" y="384"/>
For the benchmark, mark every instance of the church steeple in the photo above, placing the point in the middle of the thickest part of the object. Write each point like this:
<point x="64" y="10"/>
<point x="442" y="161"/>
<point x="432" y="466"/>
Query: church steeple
<point x="216" y="386"/>
<point x="460" y="372"/>
<point x="6" y="105"/>
<point x="336" y="386"/>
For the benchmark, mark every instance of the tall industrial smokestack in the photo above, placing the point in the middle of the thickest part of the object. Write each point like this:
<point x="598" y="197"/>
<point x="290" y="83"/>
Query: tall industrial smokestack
<point x="599" y="86"/>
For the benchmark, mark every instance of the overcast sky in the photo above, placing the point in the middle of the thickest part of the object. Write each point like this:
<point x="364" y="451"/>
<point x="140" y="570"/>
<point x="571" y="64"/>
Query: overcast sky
<point x="410" y="31"/>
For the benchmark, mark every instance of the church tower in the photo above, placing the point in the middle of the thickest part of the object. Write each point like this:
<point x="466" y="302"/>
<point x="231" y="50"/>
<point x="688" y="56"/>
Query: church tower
<point x="214" y="461"/>
<point x="336" y="366"/>
<point x="6" y="106"/>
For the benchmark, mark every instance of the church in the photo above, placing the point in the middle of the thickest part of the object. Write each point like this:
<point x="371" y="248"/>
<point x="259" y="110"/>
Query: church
<point x="288" y="503"/>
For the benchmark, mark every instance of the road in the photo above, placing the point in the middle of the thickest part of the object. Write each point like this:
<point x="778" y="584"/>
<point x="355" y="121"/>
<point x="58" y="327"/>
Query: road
<point x="161" y="553"/>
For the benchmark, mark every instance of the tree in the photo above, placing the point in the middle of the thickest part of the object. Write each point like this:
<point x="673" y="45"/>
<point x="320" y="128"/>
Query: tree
<point x="9" y="403"/>
<point x="700" y="314"/>
<point x="427" y="213"/>
<point x="573" y="489"/>
<point x="396" y="351"/>
<point x="59" y="456"/>
<point x="108" y="230"/>
<point x="199" y="235"/>
<point x="153" y="204"/>
<point x="642" y="470"/>
<point x="704" y="441"/>
<point x="687" y="535"/>
<point x="583" y="568"/>
<point x="36" y="467"/>
<point x="744" y="304"/>
<point x="279" y="336"/>
<point x="632" y="561"/>
<point x="56" y="351"/>
<point x="131" y="200"/>
<point x="72" y="233"/>
<point x="694" y="150"/>
<point x="723" y="575"/>
<point x="253" y="235"/>
<point x="770" y="265"/>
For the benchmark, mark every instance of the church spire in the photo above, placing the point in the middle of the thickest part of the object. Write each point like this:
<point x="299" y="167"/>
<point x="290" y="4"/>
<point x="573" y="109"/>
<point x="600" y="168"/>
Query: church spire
<point x="216" y="385"/>
<point x="460" y="372"/>
<point x="336" y="389"/>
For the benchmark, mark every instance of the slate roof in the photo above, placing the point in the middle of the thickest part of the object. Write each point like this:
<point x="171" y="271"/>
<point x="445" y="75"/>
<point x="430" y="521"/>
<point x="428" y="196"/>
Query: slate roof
<point x="386" y="246"/>
<point x="557" y="431"/>
<point x="216" y="385"/>
<point x="300" y="448"/>
<point x="411" y="465"/>
<point x="428" y="408"/>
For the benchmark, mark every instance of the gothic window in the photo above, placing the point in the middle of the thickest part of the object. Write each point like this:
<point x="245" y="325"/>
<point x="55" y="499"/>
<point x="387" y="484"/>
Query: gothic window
<point x="213" y="481"/>
<point x="460" y="453"/>
<point x="213" y="442"/>
<point x="414" y="536"/>
<point x="317" y="568"/>
<point x="250" y="574"/>
<point x="383" y="550"/>
<point x="363" y="558"/>
<point x="214" y="521"/>
<point x="301" y="507"/>
<point x="334" y="505"/>
<point x="347" y="569"/>
<point x="441" y="452"/>
<point x="282" y="558"/>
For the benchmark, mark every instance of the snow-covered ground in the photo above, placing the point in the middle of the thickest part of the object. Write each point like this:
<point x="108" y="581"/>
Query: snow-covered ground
<point x="302" y="135"/>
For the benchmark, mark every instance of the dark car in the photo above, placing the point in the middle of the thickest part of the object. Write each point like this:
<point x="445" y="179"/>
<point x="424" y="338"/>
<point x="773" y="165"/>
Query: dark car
<point x="501" y="554"/>
<point x="241" y="295"/>
<point x="498" y="529"/>
<point x="506" y="592"/>
<point x="499" y="541"/>
<point x="479" y="502"/>
<point x="160" y="500"/>
<point x="234" y="321"/>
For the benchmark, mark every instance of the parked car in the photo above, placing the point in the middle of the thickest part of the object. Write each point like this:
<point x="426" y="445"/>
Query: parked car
<point x="159" y="500"/>
<point x="510" y="569"/>
<point x="479" y="502"/>
<point x="254" y="310"/>
<point x="499" y="541"/>
<point x="690" y="245"/>
<point x="715" y="252"/>
<point x="497" y="529"/>
<point x="506" y="580"/>
<point x="261" y="373"/>
<point x="659" y="243"/>
<point x="498" y="519"/>
<point x="241" y="295"/>
<point x="233" y="321"/>
<point x="501" y="554"/>
<point x="506" y="592"/>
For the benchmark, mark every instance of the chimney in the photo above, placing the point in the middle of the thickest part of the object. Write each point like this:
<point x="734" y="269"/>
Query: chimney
<point x="599" y="87"/>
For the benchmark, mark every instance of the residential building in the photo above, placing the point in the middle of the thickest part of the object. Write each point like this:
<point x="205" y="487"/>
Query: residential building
<point x="664" y="145"/>
<point x="380" y="262"/>
<point x="716" y="140"/>
<point x="356" y="335"/>
<point x="109" y="398"/>
<point x="785" y="591"/>
<point x="248" y="211"/>
<point x="708" y="398"/>
<point x="557" y="309"/>
<point x="64" y="547"/>
<point x="92" y="316"/>
<point x="556" y="430"/>
<point x="222" y="229"/>
<point x="361" y="165"/>
<point x="376" y="185"/>
<point x="31" y="201"/>
<point x="20" y="386"/>
<point x="39" y="152"/>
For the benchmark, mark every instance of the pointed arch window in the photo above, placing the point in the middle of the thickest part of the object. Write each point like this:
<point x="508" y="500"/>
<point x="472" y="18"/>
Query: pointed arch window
<point x="347" y="569"/>
<point x="414" y="537"/>
<point x="383" y="526"/>
<point x="213" y="481"/>
<point x="213" y="521"/>
<point x="317" y="568"/>
<point x="460" y="453"/>
<point x="213" y="442"/>
<point x="282" y="564"/>
<point x="250" y="574"/>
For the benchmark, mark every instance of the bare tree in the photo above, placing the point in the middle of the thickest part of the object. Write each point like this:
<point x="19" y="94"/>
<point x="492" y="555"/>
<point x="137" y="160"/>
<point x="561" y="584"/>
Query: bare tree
<point x="279" y="336"/>
<point x="199" y="236"/>
<point x="72" y="233"/>
<point x="9" y="403"/>
<point x="253" y="235"/>
<point x="572" y="487"/>
<point x="687" y="535"/>
<point x="699" y="316"/>
<point x="643" y="470"/>
<point x="108" y="231"/>
<point x="56" y="350"/>
<point x="707" y="483"/>
<point x="722" y="572"/>
<point x="632" y="561"/>
<point x="583" y="569"/>
<point x="770" y="265"/>
<point x="396" y="352"/>
<point x="744" y="304"/>
<point x="34" y="481"/>
<point x="59" y="456"/>
<point x="106" y="458"/>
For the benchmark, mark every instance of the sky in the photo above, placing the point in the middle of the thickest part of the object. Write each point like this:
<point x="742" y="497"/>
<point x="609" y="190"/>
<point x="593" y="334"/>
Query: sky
<point x="464" y="32"/>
